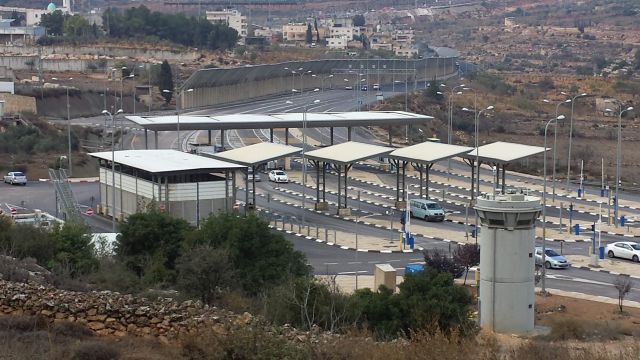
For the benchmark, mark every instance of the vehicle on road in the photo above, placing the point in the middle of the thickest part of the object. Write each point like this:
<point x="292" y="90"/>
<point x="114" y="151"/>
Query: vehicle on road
<point x="348" y="87"/>
<point x="364" y="88"/>
<point x="426" y="209"/>
<point x="278" y="176"/>
<point x="624" y="249"/>
<point x="15" y="177"/>
<point x="250" y="175"/>
<point x="552" y="259"/>
<point x="376" y="87"/>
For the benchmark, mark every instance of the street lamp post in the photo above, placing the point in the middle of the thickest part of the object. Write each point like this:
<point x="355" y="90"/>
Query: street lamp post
<point x="113" y="168"/>
<point x="573" y="100"/>
<point x="544" y="202"/>
<point x="68" y="124"/>
<point x="304" y="144"/>
<point x="621" y="111"/>
<point x="555" y="137"/>
<point x="178" y="99"/>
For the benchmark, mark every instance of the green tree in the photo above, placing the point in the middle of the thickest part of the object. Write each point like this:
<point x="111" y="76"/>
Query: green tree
<point x="205" y="271"/>
<point x="467" y="255"/>
<point x="433" y="89"/>
<point x="53" y="23"/>
<point x="165" y="81"/>
<point x="427" y="300"/>
<point x="263" y="259"/>
<point x="315" y="24"/>
<point x="309" y="34"/>
<point x="440" y="262"/>
<point x="74" y="250"/>
<point x="358" y="20"/>
<point x="76" y="25"/>
<point x="151" y="241"/>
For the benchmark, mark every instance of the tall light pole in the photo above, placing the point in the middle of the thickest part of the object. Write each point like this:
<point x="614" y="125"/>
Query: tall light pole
<point x="621" y="111"/>
<point x="302" y="79"/>
<point x="68" y="123"/>
<point x="555" y="137"/>
<point x="327" y="77"/>
<point x="544" y="202"/>
<point x="113" y="168"/>
<point x="178" y="99"/>
<point x="477" y="116"/>
<point x="450" y="122"/>
<point x="122" y="86"/>
<point x="304" y="144"/>
<point x="573" y="100"/>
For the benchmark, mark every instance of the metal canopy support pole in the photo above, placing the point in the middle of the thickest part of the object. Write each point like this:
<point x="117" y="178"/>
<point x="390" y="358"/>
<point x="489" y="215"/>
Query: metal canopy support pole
<point x="316" y="163"/>
<point x="246" y="190"/>
<point x="155" y="136"/>
<point x="253" y="185"/>
<point x="346" y="170"/>
<point x="397" y="165"/>
<point x="226" y="190"/>
<point x="428" y="169"/>
<point x="233" y="186"/>
<point x="339" y="169"/>
<point x="504" y="172"/>
<point x="271" y="135"/>
<point x="222" y="139"/>
<point x="209" y="137"/>
<point x="331" y="132"/>
<point x="286" y="136"/>
<point x="349" y="133"/>
<point x="390" y="137"/>
<point x="478" y="168"/>
<point x="404" y="180"/>
<point x="146" y="140"/>
<point x="324" y="182"/>
<point x="420" y="169"/>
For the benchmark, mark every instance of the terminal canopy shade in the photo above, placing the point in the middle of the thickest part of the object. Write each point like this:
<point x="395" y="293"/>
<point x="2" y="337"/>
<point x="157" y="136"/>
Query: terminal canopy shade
<point x="348" y="153"/>
<point x="256" y="154"/>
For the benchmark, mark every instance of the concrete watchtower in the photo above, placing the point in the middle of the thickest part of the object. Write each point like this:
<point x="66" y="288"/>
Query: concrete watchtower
<point x="507" y="243"/>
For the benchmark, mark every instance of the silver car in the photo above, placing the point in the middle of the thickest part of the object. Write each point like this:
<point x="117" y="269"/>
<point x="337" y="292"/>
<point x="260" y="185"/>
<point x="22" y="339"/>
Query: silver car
<point x="552" y="259"/>
<point x="15" y="177"/>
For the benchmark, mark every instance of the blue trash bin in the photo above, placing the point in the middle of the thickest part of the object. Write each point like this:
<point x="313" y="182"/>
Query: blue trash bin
<point x="601" y="252"/>
<point x="411" y="242"/>
<point x="576" y="229"/>
<point x="602" y="192"/>
<point x="579" y="192"/>
<point x="473" y="233"/>
<point x="622" y="220"/>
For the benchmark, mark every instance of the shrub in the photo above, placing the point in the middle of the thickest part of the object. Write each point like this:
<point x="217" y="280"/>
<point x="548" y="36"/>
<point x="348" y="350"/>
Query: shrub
<point x="69" y="329"/>
<point x="95" y="350"/>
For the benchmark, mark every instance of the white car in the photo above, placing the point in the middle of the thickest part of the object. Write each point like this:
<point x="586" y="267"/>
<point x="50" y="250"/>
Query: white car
<point x="15" y="177"/>
<point x="278" y="176"/>
<point x="624" y="249"/>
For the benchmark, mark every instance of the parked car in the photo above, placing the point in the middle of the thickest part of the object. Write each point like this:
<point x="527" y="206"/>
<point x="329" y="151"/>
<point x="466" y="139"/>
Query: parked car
<point x="250" y="175"/>
<point x="552" y="260"/>
<point x="278" y="176"/>
<point x="426" y="209"/>
<point x="376" y="87"/>
<point x="15" y="177"/>
<point x="624" y="249"/>
<point x="364" y="88"/>
<point x="348" y="87"/>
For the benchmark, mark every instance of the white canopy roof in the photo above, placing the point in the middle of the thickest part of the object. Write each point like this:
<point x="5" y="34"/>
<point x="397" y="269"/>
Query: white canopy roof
<point x="349" y="152"/>
<point x="255" y="154"/>
<point x="504" y="152"/>
<point x="428" y="152"/>
<point x="166" y="161"/>
<point x="286" y="120"/>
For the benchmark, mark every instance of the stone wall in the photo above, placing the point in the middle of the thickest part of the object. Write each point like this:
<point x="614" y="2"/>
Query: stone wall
<point x="110" y="313"/>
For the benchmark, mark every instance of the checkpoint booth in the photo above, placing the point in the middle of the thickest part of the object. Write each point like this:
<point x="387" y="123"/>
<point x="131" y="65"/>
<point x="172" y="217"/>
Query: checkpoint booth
<point x="182" y="184"/>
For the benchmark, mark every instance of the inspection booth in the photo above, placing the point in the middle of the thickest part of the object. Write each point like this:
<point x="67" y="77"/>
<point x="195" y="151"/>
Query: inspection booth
<point x="182" y="184"/>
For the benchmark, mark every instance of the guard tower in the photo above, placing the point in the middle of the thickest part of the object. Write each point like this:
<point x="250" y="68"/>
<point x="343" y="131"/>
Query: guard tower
<point x="507" y="243"/>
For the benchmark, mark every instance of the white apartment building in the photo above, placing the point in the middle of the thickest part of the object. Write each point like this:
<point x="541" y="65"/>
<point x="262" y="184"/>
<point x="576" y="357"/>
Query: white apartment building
<point x="337" y="43"/>
<point x="233" y="18"/>
<point x="348" y="31"/>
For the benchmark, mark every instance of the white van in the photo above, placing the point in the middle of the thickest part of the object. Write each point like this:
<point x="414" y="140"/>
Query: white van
<point x="426" y="209"/>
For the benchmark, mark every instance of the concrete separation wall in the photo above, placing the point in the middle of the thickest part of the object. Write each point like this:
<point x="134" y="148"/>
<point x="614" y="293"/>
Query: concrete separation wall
<point x="219" y="86"/>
